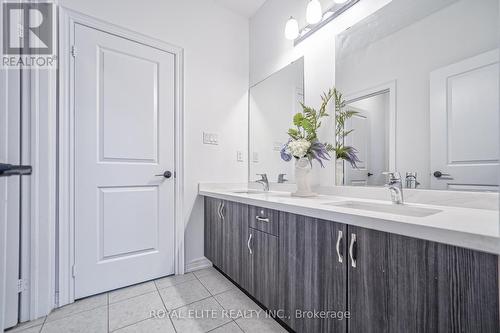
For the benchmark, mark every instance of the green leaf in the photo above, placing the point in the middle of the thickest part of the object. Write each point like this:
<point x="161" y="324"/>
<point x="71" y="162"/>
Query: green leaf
<point x="297" y="119"/>
<point x="306" y="124"/>
<point x="293" y="133"/>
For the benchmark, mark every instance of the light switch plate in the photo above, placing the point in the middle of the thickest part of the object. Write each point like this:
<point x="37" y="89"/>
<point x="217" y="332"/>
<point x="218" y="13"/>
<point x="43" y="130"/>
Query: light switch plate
<point x="210" y="138"/>
<point x="239" y="156"/>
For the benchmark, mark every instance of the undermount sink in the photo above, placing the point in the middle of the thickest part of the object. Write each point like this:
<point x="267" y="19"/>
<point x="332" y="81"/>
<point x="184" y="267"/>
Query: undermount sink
<point x="404" y="209"/>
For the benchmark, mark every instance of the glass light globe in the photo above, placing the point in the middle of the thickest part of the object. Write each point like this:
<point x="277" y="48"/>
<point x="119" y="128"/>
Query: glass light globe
<point x="291" y="28"/>
<point x="314" y="12"/>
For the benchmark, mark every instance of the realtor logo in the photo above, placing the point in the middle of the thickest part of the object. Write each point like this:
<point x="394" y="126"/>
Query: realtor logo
<point x="28" y="34"/>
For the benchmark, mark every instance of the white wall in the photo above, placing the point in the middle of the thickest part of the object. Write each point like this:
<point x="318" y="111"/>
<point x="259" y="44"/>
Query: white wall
<point x="270" y="51"/>
<point x="215" y="42"/>
<point x="459" y="31"/>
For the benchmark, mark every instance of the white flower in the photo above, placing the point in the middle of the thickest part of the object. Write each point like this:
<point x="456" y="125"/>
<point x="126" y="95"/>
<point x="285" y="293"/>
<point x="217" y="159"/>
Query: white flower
<point x="299" y="148"/>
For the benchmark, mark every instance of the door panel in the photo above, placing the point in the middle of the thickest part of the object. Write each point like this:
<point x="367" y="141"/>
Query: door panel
<point x="464" y="98"/>
<point x="403" y="284"/>
<point x="124" y="125"/>
<point x="10" y="137"/>
<point x="213" y="231"/>
<point x="311" y="278"/>
<point x="234" y="231"/>
<point x="263" y="268"/>
<point x="359" y="138"/>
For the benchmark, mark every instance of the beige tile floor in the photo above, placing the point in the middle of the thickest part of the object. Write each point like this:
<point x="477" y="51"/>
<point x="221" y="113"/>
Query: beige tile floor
<point x="202" y="301"/>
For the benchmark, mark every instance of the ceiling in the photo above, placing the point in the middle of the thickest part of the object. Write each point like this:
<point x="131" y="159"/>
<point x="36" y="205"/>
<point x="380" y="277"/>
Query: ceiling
<point x="247" y="8"/>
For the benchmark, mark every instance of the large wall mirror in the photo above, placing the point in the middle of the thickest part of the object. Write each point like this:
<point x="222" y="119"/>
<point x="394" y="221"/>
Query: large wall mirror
<point x="423" y="78"/>
<point x="273" y="102"/>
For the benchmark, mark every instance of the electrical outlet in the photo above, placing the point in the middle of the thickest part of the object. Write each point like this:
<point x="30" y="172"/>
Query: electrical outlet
<point x="239" y="156"/>
<point x="277" y="146"/>
<point x="210" y="138"/>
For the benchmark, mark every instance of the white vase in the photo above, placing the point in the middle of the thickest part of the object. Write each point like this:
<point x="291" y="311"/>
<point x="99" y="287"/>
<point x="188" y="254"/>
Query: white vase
<point x="339" y="172"/>
<point x="303" y="169"/>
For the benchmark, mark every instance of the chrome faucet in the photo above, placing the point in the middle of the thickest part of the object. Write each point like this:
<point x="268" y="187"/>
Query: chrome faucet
<point x="264" y="181"/>
<point x="411" y="180"/>
<point x="395" y="186"/>
<point x="281" y="178"/>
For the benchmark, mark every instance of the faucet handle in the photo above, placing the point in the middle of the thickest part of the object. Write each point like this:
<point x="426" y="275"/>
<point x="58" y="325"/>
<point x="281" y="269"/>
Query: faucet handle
<point x="263" y="176"/>
<point x="393" y="175"/>
<point x="281" y="178"/>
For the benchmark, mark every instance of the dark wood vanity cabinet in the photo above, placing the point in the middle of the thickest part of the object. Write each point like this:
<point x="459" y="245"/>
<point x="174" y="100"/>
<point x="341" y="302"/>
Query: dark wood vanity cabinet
<point x="403" y="284"/>
<point x="385" y="282"/>
<point x="263" y="267"/>
<point x="313" y="273"/>
<point x="226" y="228"/>
<point x="213" y="231"/>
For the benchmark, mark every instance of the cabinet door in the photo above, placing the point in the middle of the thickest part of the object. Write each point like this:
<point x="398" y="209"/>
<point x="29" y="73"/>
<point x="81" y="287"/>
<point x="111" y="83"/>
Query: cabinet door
<point x="402" y="284"/>
<point x="213" y="231"/>
<point x="262" y="271"/>
<point x="234" y="231"/>
<point x="312" y="274"/>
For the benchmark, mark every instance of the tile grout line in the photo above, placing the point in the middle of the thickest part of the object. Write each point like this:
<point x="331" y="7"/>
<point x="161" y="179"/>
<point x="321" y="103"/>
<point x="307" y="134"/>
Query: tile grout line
<point x="41" y="326"/>
<point x="222" y="306"/>
<point x="213" y="296"/>
<point x="165" y="306"/>
<point x="140" y="321"/>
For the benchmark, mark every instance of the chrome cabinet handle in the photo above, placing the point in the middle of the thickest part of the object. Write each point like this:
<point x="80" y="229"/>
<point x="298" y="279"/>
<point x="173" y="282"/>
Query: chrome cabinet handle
<point x="248" y="243"/>
<point x="352" y="250"/>
<point x="218" y="210"/>
<point x="222" y="206"/>
<point x="339" y="240"/>
<point x="262" y="219"/>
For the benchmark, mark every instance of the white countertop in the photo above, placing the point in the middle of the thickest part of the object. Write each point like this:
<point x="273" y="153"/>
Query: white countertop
<point x="472" y="228"/>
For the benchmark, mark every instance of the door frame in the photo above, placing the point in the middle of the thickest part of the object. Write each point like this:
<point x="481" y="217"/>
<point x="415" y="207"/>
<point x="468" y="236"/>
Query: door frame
<point x="66" y="218"/>
<point x="389" y="87"/>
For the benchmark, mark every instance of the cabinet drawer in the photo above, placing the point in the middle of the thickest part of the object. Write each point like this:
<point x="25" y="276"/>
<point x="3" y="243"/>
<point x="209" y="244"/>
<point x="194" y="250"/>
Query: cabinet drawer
<point x="264" y="219"/>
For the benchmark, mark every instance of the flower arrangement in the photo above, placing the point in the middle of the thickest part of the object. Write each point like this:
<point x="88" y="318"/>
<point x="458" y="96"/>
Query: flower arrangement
<point x="303" y="141"/>
<point x="346" y="153"/>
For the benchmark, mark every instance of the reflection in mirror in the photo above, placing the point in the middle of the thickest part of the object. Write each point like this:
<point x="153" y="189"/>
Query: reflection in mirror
<point x="369" y="134"/>
<point x="273" y="102"/>
<point x="443" y="58"/>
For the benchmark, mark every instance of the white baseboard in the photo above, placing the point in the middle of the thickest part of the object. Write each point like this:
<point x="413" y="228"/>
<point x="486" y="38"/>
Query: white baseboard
<point x="197" y="264"/>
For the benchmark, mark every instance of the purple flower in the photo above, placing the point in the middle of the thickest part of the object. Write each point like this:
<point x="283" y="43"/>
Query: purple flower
<point x="284" y="155"/>
<point x="351" y="156"/>
<point x="318" y="152"/>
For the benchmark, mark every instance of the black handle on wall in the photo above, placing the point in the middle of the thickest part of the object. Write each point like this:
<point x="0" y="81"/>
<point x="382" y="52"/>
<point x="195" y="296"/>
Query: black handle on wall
<point x="15" y="170"/>
<point x="166" y="174"/>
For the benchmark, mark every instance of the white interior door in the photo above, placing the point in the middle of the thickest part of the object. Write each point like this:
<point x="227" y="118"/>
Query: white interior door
<point x="359" y="138"/>
<point x="124" y="136"/>
<point x="10" y="139"/>
<point x="464" y="108"/>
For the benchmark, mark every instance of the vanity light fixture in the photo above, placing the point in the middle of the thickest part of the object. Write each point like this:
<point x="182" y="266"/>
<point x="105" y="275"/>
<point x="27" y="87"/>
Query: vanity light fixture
<point x="291" y="28"/>
<point x="315" y="18"/>
<point x="314" y="12"/>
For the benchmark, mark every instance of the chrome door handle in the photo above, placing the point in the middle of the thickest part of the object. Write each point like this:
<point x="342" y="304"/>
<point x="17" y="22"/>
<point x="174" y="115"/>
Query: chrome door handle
<point x="339" y="240"/>
<point x="248" y="243"/>
<point x="262" y="219"/>
<point x="352" y="250"/>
